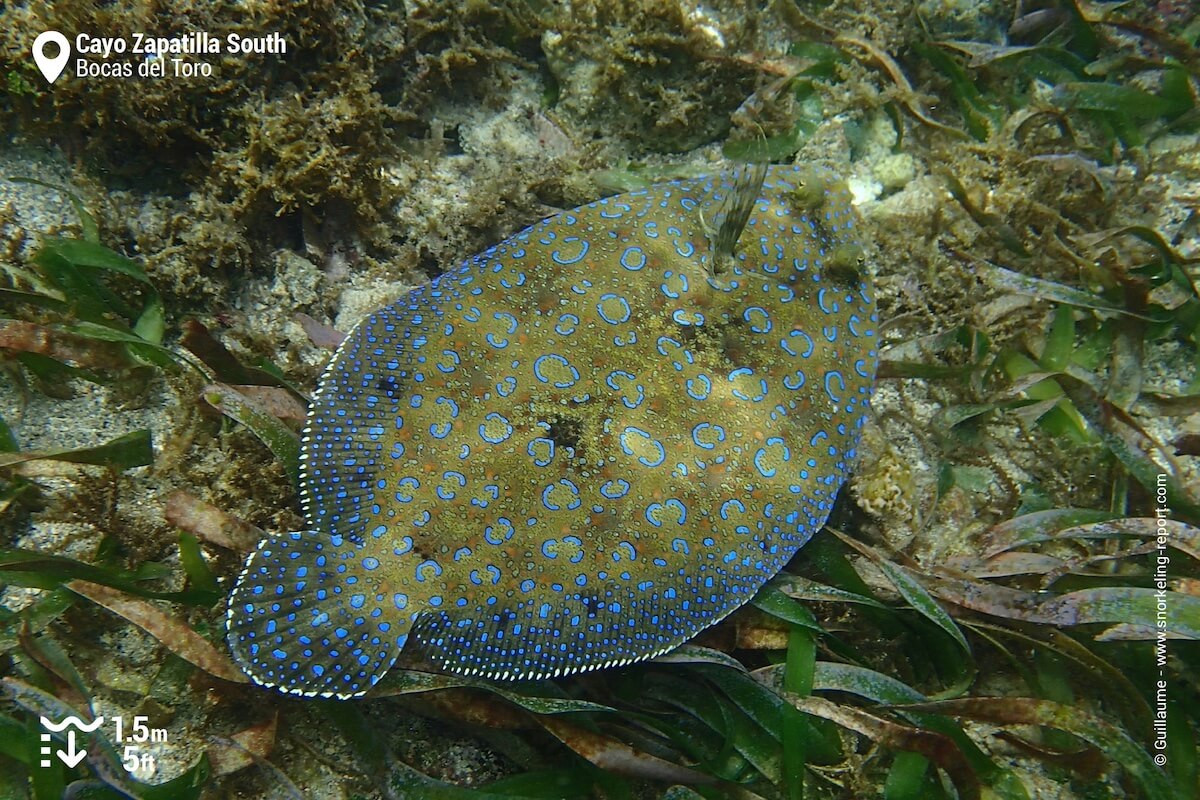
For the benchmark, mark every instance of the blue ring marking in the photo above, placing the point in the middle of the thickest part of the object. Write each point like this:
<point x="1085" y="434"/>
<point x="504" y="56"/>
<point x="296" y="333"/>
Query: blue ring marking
<point x="541" y="450"/>
<point x="513" y="283"/>
<point x="570" y="486"/>
<point x="852" y="325"/>
<point x="680" y="545"/>
<point x="494" y="416"/>
<point x="400" y="600"/>
<point x="688" y="318"/>
<point x="759" y="319"/>
<point x="506" y="386"/>
<point x="830" y="332"/>
<point x="696" y="433"/>
<point x="668" y="291"/>
<point x="615" y="489"/>
<point x="627" y="548"/>
<point x="550" y="548"/>
<point x="406" y="488"/>
<point x="425" y="567"/>
<point x="543" y="360"/>
<point x="554" y="254"/>
<point x="778" y="441"/>
<point x="404" y="546"/>
<point x="633" y="259"/>
<point x="757" y="463"/>
<point x="831" y="375"/>
<point x="631" y="431"/>
<point x="738" y="393"/>
<point x="496" y="341"/>
<point x="860" y="367"/>
<point x="566" y="325"/>
<point x="786" y="345"/>
<point x="735" y="505"/>
<point x="577" y="543"/>
<point x="687" y="203"/>
<point x="684" y="249"/>
<point x="687" y="354"/>
<point x="449" y="493"/>
<point x="654" y="509"/>
<point x="440" y="430"/>
<point x="622" y="315"/>
<point x="816" y="437"/>
<point x="795" y="381"/>
<point x="493" y="492"/>
<point x="455" y="361"/>
<point x="627" y="377"/>
<point x="499" y="533"/>
<point x="833" y="306"/>
<point x="699" y="387"/>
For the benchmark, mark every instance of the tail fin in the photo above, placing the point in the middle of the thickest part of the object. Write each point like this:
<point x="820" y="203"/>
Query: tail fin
<point x="301" y="621"/>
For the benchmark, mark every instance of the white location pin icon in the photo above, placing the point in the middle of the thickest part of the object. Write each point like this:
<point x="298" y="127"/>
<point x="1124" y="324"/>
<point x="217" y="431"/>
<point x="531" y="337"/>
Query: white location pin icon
<point x="51" y="67"/>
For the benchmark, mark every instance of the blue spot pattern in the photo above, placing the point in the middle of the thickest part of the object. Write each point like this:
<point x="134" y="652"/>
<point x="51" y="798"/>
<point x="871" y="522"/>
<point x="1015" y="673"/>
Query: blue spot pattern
<point x="577" y="449"/>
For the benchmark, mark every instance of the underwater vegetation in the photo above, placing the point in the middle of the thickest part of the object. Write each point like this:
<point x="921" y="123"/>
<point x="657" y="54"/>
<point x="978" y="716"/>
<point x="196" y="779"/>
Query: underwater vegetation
<point x="984" y="612"/>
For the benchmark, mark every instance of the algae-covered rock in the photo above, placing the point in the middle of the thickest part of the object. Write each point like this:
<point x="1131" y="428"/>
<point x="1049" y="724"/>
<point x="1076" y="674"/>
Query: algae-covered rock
<point x="662" y="74"/>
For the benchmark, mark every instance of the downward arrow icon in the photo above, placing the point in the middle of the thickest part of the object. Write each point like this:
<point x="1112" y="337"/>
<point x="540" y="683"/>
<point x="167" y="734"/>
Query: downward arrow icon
<point x="72" y="757"/>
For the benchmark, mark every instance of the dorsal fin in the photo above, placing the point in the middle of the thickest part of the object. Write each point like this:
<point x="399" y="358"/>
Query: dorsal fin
<point x="734" y="212"/>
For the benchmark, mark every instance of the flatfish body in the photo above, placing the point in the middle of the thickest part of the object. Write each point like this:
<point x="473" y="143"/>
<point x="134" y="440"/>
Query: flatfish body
<point x="576" y="450"/>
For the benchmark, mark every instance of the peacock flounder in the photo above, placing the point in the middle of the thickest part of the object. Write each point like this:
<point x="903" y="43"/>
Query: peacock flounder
<point x="580" y="448"/>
